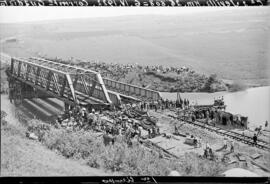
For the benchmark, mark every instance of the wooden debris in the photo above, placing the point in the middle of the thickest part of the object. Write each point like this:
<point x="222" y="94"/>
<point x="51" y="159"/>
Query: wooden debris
<point x="240" y="157"/>
<point x="260" y="166"/>
<point x="220" y="149"/>
<point x="255" y="156"/>
<point x="179" y="134"/>
<point x="175" y="138"/>
<point x="164" y="150"/>
<point x="232" y="161"/>
<point x="170" y="148"/>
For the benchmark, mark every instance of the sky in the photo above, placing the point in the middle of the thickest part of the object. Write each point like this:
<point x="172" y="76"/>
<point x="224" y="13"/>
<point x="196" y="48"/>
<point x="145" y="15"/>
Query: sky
<point x="28" y="14"/>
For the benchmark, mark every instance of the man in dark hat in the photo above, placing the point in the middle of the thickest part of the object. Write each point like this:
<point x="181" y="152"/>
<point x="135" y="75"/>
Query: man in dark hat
<point x="255" y="139"/>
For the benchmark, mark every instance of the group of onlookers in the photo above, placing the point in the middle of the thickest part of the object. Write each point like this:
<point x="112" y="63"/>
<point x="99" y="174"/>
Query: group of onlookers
<point x="112" y="123"/>
<point x="117" y="71"/>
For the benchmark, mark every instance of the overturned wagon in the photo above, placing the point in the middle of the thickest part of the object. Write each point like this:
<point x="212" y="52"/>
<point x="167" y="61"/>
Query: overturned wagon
<point x="237" y="120"/>
<point x="221" y="117"/>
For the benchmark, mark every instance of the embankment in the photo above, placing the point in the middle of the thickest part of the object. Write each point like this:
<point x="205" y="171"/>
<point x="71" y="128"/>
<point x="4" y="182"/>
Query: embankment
<point x="24" y="157"/>
<point x="21" y="156"/>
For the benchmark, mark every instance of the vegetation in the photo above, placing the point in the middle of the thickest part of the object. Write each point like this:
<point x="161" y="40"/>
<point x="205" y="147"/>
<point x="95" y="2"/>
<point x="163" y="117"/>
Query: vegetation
<point x="4" y="82"/>
<point x="120" y="158"/>
<point x="135" y="160"/>
<point x="212" y="84"/>
<point x="3" y="115"/>
<point x="183" y="82"/>
<point x="237" y="86"/>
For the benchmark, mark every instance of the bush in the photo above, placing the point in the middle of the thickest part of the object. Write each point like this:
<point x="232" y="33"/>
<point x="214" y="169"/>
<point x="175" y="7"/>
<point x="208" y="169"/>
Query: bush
<point x="237" y="86"/>
<point x="70" y="144"/>
<point x="195" y="166"/>
<point x="3" y="116"/>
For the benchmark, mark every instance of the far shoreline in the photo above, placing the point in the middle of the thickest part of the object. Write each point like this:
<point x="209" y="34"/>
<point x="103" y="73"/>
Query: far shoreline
<point x="225" y="91"/>
<point x="247" y="87"/>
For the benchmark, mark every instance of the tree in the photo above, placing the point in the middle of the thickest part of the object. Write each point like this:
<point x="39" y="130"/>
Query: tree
<point x="212" y="79"/>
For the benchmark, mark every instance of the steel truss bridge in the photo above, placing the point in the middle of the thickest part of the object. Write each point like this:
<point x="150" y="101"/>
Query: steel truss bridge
<point x="40" y="78"/>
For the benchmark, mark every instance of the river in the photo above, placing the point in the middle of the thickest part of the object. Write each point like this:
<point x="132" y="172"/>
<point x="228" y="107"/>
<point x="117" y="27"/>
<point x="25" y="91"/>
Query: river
<point x="253" y="102"/>
<point x="43" y="109"/>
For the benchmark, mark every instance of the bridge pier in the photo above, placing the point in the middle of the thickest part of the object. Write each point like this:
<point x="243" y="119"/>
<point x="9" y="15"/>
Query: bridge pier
<point x="18" y="91"/>
<point x="15" y="91"/>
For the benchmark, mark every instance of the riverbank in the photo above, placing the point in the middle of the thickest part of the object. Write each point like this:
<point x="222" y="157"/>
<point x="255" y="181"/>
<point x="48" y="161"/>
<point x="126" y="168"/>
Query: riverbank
<point x="165" y="79"/>
<point x="85" y="148"/>
<point x="88" y="149"/>
<point x="155" y="77"/>
<point x="4" y="82"/>
<point x="81" y="147"/>
<point x="24" y="157"/>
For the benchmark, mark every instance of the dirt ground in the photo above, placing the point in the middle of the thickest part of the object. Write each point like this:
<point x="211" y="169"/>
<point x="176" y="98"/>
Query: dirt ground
<point x="178" y="147"/>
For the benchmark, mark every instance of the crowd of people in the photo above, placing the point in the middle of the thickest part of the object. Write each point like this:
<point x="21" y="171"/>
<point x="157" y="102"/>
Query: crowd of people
<point x="117" y="71"/>
<point x="126" y="120"/>
<point x="208" y="152"/>
<point x="118" y="122"/>
<point x="227" y="146"/>
<point x="164" y="104"/>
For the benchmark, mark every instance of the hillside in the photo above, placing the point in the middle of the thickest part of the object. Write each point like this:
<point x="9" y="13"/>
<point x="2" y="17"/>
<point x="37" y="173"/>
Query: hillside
<point x="232" y="43"/>
<point x="24" y="157"/>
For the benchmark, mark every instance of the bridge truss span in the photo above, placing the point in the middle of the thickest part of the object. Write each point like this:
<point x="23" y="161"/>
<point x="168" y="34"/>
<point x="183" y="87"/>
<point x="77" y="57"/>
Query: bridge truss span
<point x="41" y="78"/>
<point x="72" y="86"/>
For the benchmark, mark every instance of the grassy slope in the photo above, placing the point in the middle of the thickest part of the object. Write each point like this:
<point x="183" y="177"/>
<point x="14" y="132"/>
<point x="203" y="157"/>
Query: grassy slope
<point x="23" y="157"/>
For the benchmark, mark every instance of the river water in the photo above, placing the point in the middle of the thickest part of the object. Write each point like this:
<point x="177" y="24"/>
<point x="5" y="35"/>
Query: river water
<point x="43" y="109"/>
<point x="253" y="102"/>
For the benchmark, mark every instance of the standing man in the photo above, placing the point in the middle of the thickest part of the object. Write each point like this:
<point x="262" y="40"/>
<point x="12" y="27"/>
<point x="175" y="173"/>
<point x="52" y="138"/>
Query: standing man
<point x="200" y="142"/>
<point x="11" y="94"/>
<point x="255" y="139"/>
<point x="176" y="129"/>
<point x="232" y="147"/>
<point x="259" y="130"/>
<point x="225" y="143"/>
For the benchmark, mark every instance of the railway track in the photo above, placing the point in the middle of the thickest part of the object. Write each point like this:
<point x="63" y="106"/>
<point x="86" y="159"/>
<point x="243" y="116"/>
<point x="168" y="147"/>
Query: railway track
<point x="261" y="144"/>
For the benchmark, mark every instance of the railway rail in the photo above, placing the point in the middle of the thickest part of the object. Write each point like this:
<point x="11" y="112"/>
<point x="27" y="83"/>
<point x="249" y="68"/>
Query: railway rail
<point x="261" y="144"/>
